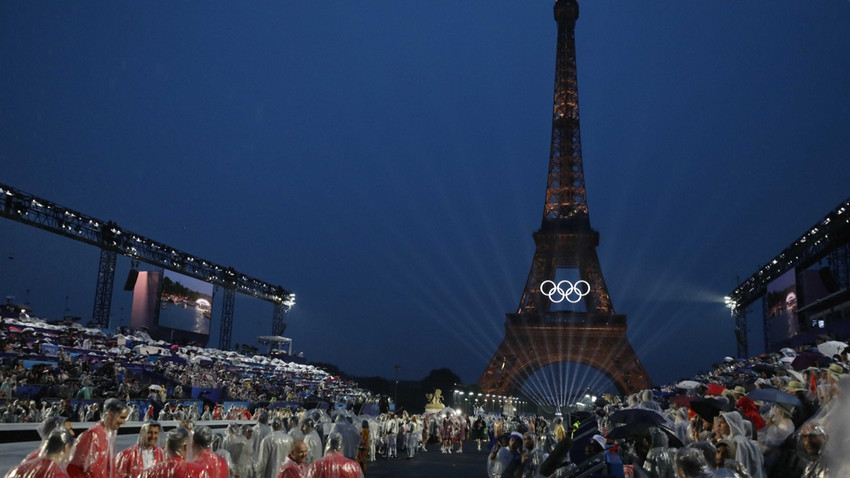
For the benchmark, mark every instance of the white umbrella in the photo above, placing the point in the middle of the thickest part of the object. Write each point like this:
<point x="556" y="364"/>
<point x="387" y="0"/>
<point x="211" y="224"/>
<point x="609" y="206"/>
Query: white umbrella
<point x="688" y="384"/>
<point x="157" y="388"/>
<point x="833" y="347"/>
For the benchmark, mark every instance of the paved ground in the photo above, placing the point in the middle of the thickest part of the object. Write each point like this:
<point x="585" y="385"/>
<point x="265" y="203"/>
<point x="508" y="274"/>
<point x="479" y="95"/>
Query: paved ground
<point x="469" y="464"/>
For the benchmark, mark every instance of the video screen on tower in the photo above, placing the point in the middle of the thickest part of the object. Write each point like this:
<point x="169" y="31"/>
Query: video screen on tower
<point x="185" y="303"/>
<point x="782" y="308"/>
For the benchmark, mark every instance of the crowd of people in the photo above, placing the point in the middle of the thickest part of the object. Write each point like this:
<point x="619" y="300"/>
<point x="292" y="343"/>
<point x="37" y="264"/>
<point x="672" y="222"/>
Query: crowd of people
<point x="49" y="369"/>
<point x="774" y="416"/>
<point x="258" y="451"/>
<point x="276" y="443"/>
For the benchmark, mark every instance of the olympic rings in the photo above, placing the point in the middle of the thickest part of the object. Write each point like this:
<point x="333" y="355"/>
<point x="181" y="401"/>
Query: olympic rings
<point x="572" y="289"/>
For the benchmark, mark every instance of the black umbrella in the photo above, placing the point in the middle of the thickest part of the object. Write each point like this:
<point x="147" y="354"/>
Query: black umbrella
<point x="809" y="359"/>
<point x="642" y="429"/>
<point x="637" y="415"/>
<point x="763" y="367"/>
<point x="708" y="408"/>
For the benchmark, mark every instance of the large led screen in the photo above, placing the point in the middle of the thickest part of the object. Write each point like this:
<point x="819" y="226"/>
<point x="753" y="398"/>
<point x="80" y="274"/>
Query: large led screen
<point x="782" y="309"/>
<point x="185" y="303"/>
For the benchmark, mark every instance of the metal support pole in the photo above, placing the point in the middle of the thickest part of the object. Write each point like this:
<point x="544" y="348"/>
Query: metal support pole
<point x="741" y="332"/>
<point x="278" y="325"/>
<point x="765" y="312"/>
<point x="103" y="290"/>
<point x="226" y="318"/>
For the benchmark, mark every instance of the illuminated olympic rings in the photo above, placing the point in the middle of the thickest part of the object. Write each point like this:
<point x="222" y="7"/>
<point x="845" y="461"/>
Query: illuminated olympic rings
<point x="573" y="292"/>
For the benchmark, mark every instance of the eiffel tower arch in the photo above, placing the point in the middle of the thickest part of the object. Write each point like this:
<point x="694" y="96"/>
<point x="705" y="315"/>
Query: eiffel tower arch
<point x="541" y="333"/>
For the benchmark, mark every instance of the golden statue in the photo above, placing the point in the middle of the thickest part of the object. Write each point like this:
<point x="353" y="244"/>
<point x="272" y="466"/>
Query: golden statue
<point x="435" y="401"/>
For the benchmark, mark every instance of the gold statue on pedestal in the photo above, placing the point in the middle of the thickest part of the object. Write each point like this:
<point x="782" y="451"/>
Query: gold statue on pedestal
<point x="435" y="401"/>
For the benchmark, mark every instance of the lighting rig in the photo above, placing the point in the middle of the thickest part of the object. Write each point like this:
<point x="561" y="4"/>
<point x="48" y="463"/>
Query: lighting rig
<point x="112" y="240"/>
<point x="830" y="234"/>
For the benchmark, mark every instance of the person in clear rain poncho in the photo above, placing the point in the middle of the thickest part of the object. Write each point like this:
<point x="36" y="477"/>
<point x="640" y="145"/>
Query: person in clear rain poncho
<point x="312" y="440"/>
<point x="334" y="464"/>
<point x="350" y="435"/>
<point x="691" y="463"/>
<point x="778" y="428"/>
<point x="133" y="461"/>
<point x="813" y="440"/>
<point x="659" y="461"/>
<point x="218" y="449"/>
<point x="44" y="429"/>
<point x="51" y="460"/>
<point x="273" y="451"/>
<point x="747" y="452"/>
<point x="94" y="453"/>
<point x="214" y="464"/>
<point x="240" y="451"/>
<point x="532" y="457"/>
<point x="261" y="431"/>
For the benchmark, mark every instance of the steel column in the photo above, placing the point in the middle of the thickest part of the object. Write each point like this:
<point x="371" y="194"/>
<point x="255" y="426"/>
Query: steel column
<point x="278" y="325"/>
<point x="226" y="318"/>
<point x="103" y="290"/>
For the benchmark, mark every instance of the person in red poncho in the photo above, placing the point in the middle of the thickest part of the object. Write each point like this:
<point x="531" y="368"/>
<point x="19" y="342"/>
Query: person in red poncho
<point x="215" y="465"/>
<point x="177" y="445"/>
<point x="295" y="465"/>
<point x="751" y="411"/>
<point x="94" y="454"/>
<point x="334" y="464"/>
<point x="133" y="461"/>
<point x="51" y="460"/>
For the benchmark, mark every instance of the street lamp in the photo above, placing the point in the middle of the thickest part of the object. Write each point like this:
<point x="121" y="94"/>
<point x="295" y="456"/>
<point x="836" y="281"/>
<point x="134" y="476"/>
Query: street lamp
<point x="395" y="399"/>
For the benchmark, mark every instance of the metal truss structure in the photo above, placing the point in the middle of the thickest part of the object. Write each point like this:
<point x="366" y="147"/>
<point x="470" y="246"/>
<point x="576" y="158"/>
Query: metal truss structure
<point x="536" y="335"/>
<point x="112" y="240"/>
<point x="828" y="238"/>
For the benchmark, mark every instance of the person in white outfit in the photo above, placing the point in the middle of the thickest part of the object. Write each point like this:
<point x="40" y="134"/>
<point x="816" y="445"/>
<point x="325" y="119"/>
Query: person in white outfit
<point x="391" y="432"/>
<point x="273" y="451"/>
<point x="312" y="440"/>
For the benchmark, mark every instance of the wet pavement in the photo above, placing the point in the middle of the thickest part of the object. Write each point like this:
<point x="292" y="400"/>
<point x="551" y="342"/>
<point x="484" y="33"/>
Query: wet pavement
<point x="469" y="464"/>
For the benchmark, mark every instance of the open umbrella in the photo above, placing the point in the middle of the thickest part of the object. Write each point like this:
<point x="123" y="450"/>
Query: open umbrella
<point x="638" y="429"/>
<point x="763" y="367"/>
<point x="683" y="400"/>
<point x="809" y="359"/>
<point x="637" y="415"/>
<point x="833" y="347"/>
<point x="774" y="395"/>
<point x="708" y="408"/>
<point x="688" y="384"/>
<point x="715" y="389"/>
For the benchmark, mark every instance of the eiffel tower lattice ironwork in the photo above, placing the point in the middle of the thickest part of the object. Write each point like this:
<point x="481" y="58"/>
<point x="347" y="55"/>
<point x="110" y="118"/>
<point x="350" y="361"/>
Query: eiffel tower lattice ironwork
<point x="536" y="335"/>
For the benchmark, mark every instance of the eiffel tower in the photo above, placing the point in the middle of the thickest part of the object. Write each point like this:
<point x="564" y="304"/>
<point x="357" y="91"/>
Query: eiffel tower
<point x="539" y="334"/>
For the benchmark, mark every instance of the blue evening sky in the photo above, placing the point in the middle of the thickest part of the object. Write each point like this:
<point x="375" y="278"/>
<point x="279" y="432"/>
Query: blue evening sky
<point x="387" y="161"/>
